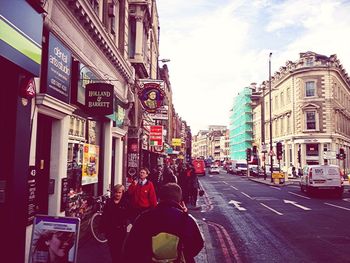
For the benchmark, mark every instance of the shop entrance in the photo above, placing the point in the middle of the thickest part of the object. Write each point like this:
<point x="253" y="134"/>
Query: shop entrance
<point x="43" y="154"/>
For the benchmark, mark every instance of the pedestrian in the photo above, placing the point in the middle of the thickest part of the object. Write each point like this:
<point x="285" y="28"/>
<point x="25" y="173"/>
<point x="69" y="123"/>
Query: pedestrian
<point x="169" y="175"/>
<point x="184" y="182"/>
<point x="142" y="194"/>
<point x="115" y="218"/>
<point x="193" y="187"/>
<point x="169" y="219"/>
<point x="156" y="177"/>
<point x="294" y="172"/>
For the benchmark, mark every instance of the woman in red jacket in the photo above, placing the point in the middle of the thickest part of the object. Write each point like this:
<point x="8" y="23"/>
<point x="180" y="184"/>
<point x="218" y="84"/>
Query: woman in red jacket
<point x="142" y="194"/>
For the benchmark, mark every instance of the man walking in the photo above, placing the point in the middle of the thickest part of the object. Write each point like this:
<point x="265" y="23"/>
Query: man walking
<point x="164" y="234"/>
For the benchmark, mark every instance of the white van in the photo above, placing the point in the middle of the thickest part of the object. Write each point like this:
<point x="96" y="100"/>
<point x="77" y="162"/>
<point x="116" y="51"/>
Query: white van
<point x="239" y="167"/>
<point x="322" y="177"/>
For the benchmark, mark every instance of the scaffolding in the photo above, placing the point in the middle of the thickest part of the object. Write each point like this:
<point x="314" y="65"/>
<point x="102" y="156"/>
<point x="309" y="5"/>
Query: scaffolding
<point x="241" y="125"/>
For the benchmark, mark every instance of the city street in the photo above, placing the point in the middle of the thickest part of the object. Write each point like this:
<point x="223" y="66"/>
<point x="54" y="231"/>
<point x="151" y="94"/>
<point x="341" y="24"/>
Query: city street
<point x="252" y="222"/>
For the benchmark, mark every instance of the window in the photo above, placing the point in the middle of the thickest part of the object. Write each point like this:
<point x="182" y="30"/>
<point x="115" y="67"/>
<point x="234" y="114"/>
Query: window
<point x="310" y="120"/>
<point x="94" y="5"/>
<point x="276" y="102"/>
<point x="310" y="89"/>
<point x="288" y="95"/>
<point x="282" y="99"/>
<point x="312" y="149"/>
<point x="309" y="62"/>
<point x="326" y="147"/>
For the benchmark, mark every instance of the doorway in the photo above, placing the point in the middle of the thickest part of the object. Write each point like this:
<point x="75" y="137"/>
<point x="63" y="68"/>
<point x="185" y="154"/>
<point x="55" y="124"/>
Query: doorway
<point x="43" y="155"/>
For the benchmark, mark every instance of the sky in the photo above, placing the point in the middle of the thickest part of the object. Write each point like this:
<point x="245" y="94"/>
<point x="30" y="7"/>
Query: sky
<point x="218" y="47"/>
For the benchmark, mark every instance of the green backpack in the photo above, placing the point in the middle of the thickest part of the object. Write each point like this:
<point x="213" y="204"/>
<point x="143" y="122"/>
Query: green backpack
<point x="165" y="248"/>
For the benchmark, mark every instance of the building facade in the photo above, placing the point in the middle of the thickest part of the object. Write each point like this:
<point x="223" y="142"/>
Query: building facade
<point x="310" y="102"/>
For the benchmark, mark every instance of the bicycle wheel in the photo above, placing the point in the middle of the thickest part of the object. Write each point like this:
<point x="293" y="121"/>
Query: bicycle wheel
<point x="95" y="225"/>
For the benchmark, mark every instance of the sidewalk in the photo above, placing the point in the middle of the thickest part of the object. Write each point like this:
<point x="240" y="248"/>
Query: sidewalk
<point x="290" y="181"/>
<point x="261" y="180"/>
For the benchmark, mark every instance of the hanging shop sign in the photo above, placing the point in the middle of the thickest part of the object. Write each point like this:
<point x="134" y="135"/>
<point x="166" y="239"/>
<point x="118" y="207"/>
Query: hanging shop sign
<point x="151" y="94"/>
<point x="156" y="135"/>
<point x="160" y="113"/>
<point x="58" y="70"/>
<point x="119" y="112"/>
<point x="99" y="99"/>
<point x="176" y="142"/>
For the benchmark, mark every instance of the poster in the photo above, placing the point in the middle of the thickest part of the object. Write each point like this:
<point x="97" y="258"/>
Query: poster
<point x="90" y="164"/>
<point x="54" y="239"/>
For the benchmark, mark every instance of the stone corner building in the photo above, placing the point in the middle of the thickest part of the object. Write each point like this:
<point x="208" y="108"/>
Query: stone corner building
<point x="310" y="111"/>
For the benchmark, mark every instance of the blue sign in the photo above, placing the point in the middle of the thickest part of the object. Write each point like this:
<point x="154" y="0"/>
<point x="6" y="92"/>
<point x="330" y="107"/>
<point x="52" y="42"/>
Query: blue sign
<point x="58" y="70"/>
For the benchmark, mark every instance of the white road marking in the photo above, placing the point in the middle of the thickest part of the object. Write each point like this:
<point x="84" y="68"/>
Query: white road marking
<point x="295" y="204"/>
<point x="275" y="187"/>
<point x="299" y="195"/>
<point x="338" y="206"/>
<point x="273" y="210"/>
<point x="346" y="199"/>
<point x="237" y="205"/>
<point x="224" y="182"/>
<point x="247" y="195"/>
<point x="234" y="187"/>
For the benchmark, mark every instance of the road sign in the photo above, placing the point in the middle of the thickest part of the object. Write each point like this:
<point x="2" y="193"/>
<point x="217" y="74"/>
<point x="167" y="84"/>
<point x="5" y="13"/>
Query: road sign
<point x="330" y="155"/>
<point x="272" y="153"/>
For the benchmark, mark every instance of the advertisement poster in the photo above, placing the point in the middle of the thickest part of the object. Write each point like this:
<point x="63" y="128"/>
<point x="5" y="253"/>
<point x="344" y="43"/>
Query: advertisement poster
<point x="54" y="239"/>
<point x="90" y="164"/>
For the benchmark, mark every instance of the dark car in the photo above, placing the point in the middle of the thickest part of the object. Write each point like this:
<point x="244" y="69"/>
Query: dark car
<point x="256" y="171"/>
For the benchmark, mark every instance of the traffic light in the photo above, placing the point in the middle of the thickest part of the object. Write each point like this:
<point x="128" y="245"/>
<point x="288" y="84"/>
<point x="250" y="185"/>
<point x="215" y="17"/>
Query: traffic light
<point x="254" y="150"/>
<point x="249" y="154"/>
<point x="341" y="154"/>
<point x="279" y="150"/>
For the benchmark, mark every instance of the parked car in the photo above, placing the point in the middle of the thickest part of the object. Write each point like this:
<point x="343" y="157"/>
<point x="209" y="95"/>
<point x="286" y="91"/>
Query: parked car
<point x="256" y="171"/>
<point x="214" y="169"/>
<point x="322" y="177"/>
<point x="274" y="169"/>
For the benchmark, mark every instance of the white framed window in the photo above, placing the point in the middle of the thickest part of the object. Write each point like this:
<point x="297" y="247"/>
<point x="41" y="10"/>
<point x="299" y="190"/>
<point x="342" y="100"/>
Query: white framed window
<point x="311" y="120"/>
<point x="310" y="89"/>
<point x="289" y="98"/>
<point x="309" y="62"/>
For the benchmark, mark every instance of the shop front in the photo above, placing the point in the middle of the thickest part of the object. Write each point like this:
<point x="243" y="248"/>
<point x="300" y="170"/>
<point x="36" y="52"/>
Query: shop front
<point x="20" y="59"/>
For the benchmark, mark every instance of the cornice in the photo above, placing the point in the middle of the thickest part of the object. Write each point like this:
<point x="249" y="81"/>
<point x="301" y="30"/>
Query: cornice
<point x="93" y="26"/>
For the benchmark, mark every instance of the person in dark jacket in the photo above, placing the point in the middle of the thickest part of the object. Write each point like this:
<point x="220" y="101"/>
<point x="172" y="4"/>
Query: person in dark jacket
<point x="169" y="216"/>
<point x="169" y="175"/>
<point x="115" y="219"/>
<point x="142" y="193"/>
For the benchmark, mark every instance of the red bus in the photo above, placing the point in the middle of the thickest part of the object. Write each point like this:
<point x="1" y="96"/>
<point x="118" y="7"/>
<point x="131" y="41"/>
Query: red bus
<point x="199" y="167"/>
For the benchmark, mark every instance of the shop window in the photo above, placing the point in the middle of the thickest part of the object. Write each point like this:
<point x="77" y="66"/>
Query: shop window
<point x="312" y="149"/>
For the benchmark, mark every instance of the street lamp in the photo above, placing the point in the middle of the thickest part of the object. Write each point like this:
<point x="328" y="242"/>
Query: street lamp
<point x="270" y="100"/>
<point x="164" y="60"/>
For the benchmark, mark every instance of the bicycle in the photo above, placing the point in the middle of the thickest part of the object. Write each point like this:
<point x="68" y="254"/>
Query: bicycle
<point x="96" y="219"/>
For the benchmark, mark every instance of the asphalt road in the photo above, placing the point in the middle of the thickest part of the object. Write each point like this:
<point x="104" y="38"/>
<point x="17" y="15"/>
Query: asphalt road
<point x="252" y="222"/>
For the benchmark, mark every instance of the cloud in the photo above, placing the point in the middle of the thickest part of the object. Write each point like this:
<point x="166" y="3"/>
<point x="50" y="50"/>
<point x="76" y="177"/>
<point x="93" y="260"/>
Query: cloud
<point x="219" y="47"/>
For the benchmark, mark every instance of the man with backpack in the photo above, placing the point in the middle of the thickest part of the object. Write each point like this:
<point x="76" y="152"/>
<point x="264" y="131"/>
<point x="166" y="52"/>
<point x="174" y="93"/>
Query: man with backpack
<point x="164" y="234"/>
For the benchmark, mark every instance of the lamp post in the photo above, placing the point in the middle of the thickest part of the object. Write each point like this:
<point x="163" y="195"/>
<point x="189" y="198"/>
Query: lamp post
<point x="270" y="106"/>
